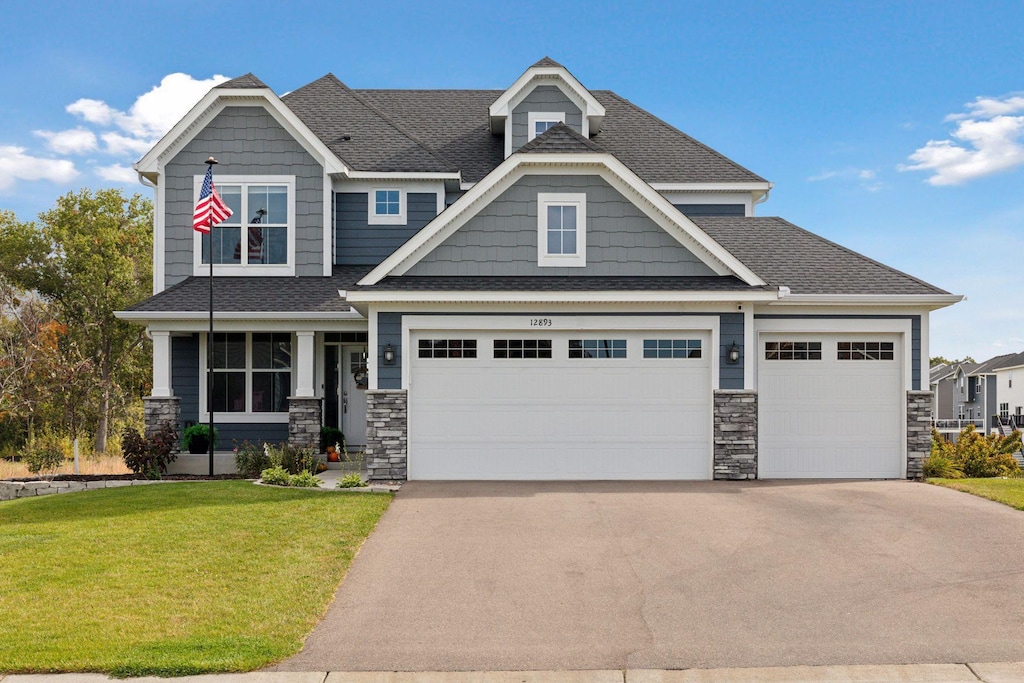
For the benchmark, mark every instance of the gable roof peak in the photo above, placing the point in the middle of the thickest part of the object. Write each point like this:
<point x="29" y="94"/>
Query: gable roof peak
<point x="558" y="139"/>
<point x="244" y="81"/>
<point x="547" y="61"/>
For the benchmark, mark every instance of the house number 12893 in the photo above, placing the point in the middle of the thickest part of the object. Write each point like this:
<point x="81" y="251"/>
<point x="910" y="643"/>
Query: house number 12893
<point x="540" y="322"/>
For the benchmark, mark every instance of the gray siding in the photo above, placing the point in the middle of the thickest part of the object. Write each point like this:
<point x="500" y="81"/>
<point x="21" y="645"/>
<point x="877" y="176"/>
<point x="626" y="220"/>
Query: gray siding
<point x="185" y="375"/>
<point x="543" y="98"/>
<point x="712" y="209"/>
<point x="389" y="330"/>
<point x="359" y="243"/>
<point x="730" y="375"/>
<point x="915" y="335"/>
<point x="502" y="238"/>
<point x="185" y="385"/>
<point x="246" y="141"/>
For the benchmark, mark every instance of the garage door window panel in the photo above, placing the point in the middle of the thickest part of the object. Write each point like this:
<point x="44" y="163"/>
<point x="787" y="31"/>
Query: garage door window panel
<point x="865" y="350"/>
<point x="522" y="348"/>
<point x="597" y="348"/>
<point x="447" y="348"/>
<point x="792" y="350"/>
<point x="672" y="348"/>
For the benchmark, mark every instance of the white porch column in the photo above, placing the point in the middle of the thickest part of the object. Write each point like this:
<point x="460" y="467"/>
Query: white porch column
<point x="305" y="381"/>
<point x="161" y="364"/>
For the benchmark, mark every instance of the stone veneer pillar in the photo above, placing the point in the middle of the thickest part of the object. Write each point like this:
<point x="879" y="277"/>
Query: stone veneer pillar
<point x="304" y="420"/>
<point x="735" y="435"/>
<point x="160" y="409"/>
<point x="387" y="435"/>
<point x="919" y="431"/>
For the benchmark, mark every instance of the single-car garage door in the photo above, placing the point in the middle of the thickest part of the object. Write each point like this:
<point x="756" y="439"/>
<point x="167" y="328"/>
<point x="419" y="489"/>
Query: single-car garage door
<point x="560" y="405"/>
<point x="830" y="406"/>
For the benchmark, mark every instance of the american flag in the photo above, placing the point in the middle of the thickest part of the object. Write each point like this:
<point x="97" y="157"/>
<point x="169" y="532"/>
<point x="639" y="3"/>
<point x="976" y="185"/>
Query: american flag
<point x="210" y="209"/>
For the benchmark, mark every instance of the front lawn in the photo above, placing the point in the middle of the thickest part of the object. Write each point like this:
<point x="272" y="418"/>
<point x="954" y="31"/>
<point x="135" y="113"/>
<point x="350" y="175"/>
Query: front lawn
<point x="1007" y="491"/>
<point x="172" y="579"/>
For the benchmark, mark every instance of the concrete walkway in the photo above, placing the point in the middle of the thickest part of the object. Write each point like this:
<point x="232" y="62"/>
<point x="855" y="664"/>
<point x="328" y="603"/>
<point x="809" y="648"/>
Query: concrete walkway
<point x="1003" y="672"/>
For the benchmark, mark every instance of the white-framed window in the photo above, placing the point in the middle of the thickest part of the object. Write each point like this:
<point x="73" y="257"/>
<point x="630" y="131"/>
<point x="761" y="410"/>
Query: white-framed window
<point x="259" y="237"/>
<point x="672" y="348"/>
<point x="597" y="348"/>
<point x="539" y="121"/>
<point x="562" y="229"/>
<point x="960" y="411"/>
<point x="1004" y="411"/>
<point x="252" y="373"/>
<point x="447" y="348"/>
<point x="387" y="206"/>
<point x="864" y="350"/>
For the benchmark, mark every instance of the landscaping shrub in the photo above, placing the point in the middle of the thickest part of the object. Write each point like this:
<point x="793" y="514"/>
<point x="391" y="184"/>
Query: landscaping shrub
<point x="304" y="480"/>
<point x="196" y="438"/>
<point x="292" y="459"/>
<point x="149" y="457"/>
<point x="250" y="459"/>
<point x="43" y="456"/>
<point x="275" y="475"/>
<point x="351" y="481"/>
<point x="973" y="455"/>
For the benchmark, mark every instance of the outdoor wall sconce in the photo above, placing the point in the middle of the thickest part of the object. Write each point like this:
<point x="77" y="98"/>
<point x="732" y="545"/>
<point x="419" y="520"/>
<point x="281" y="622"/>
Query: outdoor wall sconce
<point x="734" y="353"/>
<point x="389" y="354"/>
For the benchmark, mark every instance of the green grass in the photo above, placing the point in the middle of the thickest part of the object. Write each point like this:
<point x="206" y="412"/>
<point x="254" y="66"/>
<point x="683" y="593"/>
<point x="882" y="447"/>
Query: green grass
<point x="172" y="579"/>
<point x="1007" y="491"/>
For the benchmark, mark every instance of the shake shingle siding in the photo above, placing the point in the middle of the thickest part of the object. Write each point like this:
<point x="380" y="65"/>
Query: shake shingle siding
<point x="247" y="141"/>
<point x="502" y="239"/>
<point x="358" y="242"/>
<point x="543" y="98"/>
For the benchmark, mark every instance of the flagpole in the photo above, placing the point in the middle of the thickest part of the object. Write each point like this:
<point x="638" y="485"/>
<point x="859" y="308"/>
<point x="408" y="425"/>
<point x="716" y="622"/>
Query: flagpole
<point x="210" y="163"/>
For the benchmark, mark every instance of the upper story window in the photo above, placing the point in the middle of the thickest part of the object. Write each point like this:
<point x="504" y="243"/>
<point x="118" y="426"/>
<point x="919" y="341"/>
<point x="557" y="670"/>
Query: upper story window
<point x="540" y="121"/>
<point x="387" y="206"/>
<point x="259" y="237"/>
<point x="561" y="229"/>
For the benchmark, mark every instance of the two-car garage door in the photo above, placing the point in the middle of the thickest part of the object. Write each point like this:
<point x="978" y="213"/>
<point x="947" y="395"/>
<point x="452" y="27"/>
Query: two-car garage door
<point x="498" y="404"/>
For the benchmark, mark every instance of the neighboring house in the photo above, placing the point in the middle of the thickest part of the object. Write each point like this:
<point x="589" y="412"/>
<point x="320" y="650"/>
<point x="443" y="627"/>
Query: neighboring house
<point x="942" y="383"/>
<point x="1009" y="378"/>
<point x="541" y="282"/>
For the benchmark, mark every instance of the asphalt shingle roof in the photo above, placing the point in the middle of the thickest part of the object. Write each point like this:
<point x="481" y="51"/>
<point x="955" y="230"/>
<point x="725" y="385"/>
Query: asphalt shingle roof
<point x="783" y="254"/>
<point x="562" y="283"/>
<point x="246" y="81"/>
<point x="1007" y="360"/>
<point x="559" y="138"/>
<point x="258" y="294"/>
<point x="547" y="61"/>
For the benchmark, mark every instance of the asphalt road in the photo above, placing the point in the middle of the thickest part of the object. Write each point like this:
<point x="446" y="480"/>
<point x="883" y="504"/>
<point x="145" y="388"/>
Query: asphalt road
<point x="527" y="576"/>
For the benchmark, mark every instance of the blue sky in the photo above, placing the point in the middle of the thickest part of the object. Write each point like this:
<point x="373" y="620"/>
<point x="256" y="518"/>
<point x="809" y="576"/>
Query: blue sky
<point x="832" y="102"/>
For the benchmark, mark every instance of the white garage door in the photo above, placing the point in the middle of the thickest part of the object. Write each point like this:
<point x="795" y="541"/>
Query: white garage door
<point x="560" y="405"/>
<point x="830" y="406"/>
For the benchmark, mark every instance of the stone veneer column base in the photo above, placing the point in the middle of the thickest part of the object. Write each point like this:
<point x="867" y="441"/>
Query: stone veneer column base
<point x="161" y="409"/>
<point x="387" y="436"/>
<point x="735" y="435"/>
<point x="304" y="421"/>
<point x="919" y="431"/>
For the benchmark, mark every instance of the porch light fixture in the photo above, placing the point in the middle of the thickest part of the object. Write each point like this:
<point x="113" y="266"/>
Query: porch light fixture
<point x="389" y="354"/>
<point x="734" y="353"/>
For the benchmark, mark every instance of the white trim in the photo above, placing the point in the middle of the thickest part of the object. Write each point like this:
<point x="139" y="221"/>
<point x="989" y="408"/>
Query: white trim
<point x="374" y="218"/>
<point x="201" y="269"/>
<point x="402" y="175"/>
<point x="303" y="364"/>
<point x="925" y="359"/>
<point x="161" y="363"/>
<point x="503" y="106"/>
<point x="503" y="297"/>
<point x="932" y="301"/>
<point x="744" y="199"/>
<point x="213" y="103"/>
<point x="159" y="236"/>
<point x="749" y="347"/>
<point x="285" y="317"/>
<point x="653" y="204"/>
<point x="248" y="417"/>
<point x="328" y="251"/>
<point x="372" y="344"/>
<point x="563" y="199"/>
<point x="535" y="117"/>
<point x="749" y="186"/>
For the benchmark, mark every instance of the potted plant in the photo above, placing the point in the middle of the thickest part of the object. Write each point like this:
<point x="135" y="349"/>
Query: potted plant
<point x="196" y="438"/>
<point x="330" y="437"/>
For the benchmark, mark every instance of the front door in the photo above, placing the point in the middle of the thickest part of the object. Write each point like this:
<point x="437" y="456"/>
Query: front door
<point x="353" y="394"/>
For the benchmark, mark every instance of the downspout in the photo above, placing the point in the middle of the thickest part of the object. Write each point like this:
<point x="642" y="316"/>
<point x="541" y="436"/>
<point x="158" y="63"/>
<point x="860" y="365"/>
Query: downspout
<point x="762" y="199"/>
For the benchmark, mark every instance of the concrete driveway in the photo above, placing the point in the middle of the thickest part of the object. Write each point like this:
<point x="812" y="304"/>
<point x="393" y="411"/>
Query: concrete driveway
<point x="525" y="576"/>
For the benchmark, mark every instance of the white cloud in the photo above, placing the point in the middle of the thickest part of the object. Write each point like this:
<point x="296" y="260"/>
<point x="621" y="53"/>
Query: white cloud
<point x="74" y="141"/>
<point x="987" y="139"/>
<point x="118" y="174"/>
<point x="865" y="177"/>
<point x="16" y="165"/>
<point x="154" y="112"/>
<point x="121" y="145"/>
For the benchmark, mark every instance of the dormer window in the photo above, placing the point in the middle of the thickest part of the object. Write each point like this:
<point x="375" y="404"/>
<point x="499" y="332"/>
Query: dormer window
<point x="540" y="121"/>
<point x="387" y="206"/>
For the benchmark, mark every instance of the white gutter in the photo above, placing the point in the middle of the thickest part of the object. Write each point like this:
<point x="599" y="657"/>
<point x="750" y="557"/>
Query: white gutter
<point x="145" y="316"/>
<point x="931" y="300"/>
<point x="506" y="297"/>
